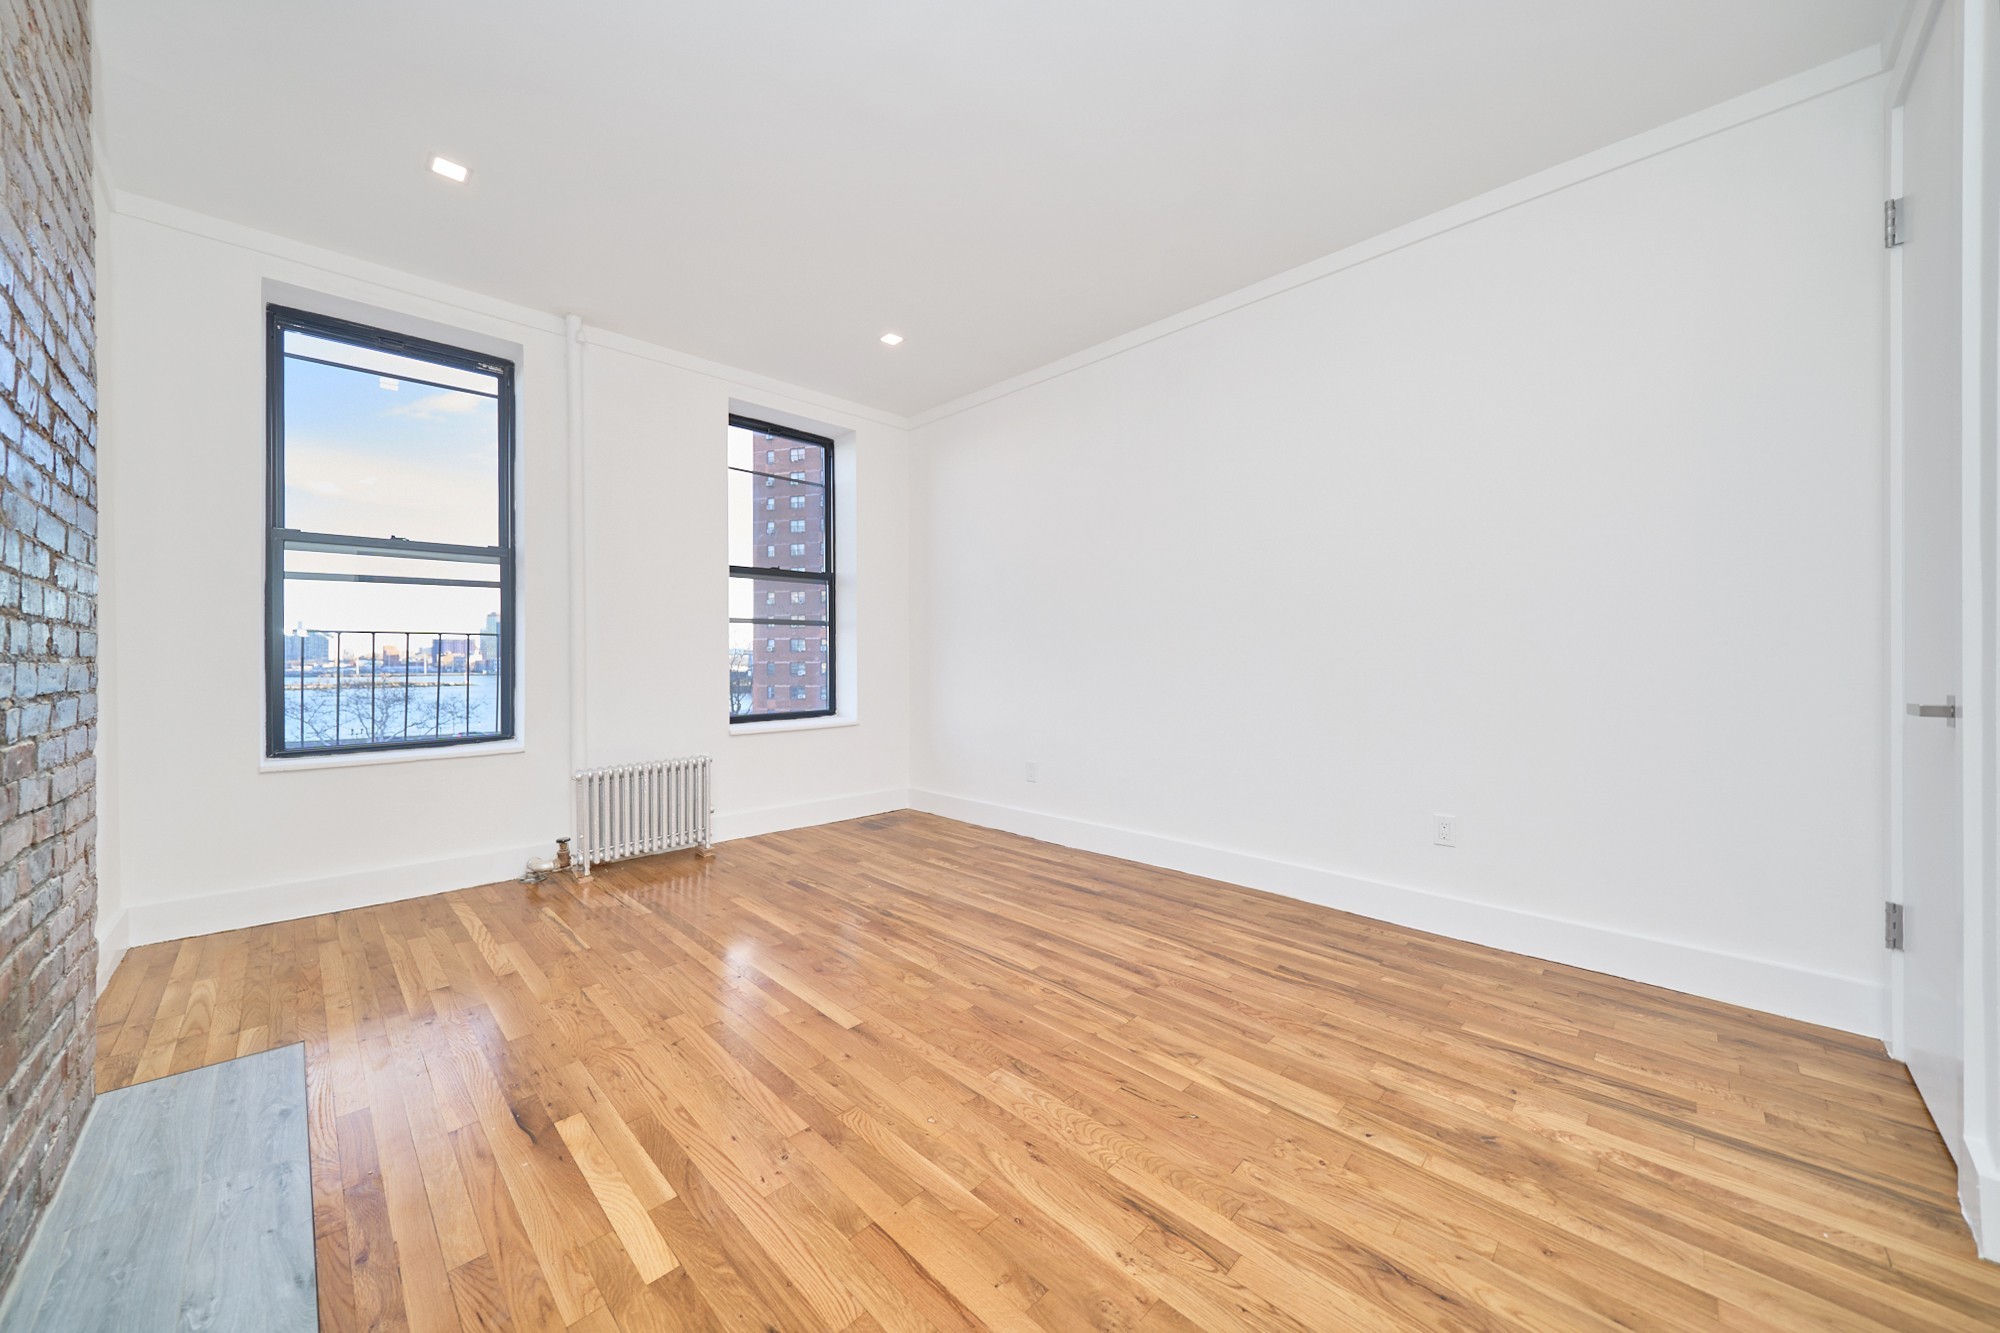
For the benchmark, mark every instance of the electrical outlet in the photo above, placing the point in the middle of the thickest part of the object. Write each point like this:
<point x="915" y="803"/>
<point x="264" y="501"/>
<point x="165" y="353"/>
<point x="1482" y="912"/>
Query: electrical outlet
<point x="1444" y="830"/>
<point x="1034" y="770"/>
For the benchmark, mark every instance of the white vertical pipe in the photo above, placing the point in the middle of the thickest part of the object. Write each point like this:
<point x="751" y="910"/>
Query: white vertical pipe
<point x="579" y="585"/>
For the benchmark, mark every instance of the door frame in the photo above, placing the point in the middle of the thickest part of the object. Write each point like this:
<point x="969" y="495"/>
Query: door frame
<point x="1979" y="664"/>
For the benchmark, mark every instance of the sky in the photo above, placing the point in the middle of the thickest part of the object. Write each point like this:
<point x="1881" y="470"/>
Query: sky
<point x="377" y="455"/>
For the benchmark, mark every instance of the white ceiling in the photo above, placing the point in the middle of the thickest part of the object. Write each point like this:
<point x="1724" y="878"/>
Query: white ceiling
<point x="775" y="183"/>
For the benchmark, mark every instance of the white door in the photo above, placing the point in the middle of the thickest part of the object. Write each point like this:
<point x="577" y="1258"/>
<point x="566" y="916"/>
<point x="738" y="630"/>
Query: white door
<point x="1931" y="356"/>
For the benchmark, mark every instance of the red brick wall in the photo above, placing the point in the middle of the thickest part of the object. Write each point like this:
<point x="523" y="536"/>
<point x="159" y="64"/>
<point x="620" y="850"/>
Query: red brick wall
<point x="48" y="605"/>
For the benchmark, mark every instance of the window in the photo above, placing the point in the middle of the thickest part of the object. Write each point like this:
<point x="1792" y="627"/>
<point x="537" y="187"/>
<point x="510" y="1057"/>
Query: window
<point x="796" y="588"/>
<point x="389" y="574"/>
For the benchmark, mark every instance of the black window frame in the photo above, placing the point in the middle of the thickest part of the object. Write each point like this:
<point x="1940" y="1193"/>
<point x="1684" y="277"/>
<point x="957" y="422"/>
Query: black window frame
<point x="278" y="538"/>
<point x="824" y="577"/>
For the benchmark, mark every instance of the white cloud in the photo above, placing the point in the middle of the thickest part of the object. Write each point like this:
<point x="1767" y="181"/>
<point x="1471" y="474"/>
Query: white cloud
<point x="434" y="405"/>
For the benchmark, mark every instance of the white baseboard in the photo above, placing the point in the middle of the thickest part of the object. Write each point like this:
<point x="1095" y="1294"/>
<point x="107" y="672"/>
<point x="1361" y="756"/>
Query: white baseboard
<point x="1979" y="1195"/>
<point x="1852" y="1004"/>
<point x="731" y="824"/>
<point x="178" y="918"/>
<point x="114" y="937"/>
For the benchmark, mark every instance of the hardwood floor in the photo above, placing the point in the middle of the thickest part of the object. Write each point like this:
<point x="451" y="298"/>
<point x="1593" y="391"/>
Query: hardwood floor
<point x="902" y="1073"/>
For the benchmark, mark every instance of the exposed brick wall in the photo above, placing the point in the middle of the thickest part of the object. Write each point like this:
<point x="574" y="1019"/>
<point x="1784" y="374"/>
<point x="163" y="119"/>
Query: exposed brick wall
<point x="48" y="606"/>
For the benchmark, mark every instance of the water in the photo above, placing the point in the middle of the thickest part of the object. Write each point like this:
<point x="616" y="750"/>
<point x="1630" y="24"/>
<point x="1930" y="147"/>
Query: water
<point x="358" y="709"/>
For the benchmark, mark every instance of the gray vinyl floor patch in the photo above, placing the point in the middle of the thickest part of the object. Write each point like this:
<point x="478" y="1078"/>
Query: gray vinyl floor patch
<point x="188" y="1206"/>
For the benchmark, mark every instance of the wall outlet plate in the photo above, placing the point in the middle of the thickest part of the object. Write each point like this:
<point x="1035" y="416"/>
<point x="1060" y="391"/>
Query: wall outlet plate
<point x="1444" y="830"/>
<point x="1034" y="770"/>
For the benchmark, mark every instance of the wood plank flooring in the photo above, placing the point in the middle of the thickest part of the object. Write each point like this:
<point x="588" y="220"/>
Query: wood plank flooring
<point x="902" y="1073"/>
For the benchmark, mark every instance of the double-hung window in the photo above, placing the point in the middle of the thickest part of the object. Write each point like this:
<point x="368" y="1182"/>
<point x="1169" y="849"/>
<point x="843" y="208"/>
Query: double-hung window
<point x="780" y="605"/>
<point x="389" y="581"/>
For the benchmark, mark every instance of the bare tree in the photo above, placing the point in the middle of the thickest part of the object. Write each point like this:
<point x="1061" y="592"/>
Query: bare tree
<point x="346" y="710"/>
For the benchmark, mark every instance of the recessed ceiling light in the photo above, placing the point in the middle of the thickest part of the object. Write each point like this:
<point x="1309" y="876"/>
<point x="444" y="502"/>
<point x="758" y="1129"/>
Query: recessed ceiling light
<point x="892" y="338"/>
<point x="449" y="169"/>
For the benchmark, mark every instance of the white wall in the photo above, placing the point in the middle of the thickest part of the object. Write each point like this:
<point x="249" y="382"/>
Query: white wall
<point x="198" y="835"/>
<point x="1567" y="521"/>
<point x="658" y="598"/>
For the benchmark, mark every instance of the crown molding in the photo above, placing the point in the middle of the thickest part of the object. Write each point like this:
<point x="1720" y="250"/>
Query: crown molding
<point x="1786" y="93"/>
<point x="350" y="269"/>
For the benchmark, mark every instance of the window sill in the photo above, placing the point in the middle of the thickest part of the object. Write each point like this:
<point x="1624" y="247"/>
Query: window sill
<point x="783" y="724"/>
<point x="365" y="759"/>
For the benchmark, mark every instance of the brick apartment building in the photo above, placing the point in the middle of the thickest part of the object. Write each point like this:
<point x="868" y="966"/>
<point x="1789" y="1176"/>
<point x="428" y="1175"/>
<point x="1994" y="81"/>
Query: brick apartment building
<point x="786" y="665"/>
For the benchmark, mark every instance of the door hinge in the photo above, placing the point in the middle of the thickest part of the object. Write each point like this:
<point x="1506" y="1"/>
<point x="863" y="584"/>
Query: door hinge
<point x="1892" y="223"/>
<point x="1892" y="925"/>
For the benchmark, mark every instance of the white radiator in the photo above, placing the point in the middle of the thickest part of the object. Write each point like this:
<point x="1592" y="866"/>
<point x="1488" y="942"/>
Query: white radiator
<point x="640" y="809"/>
